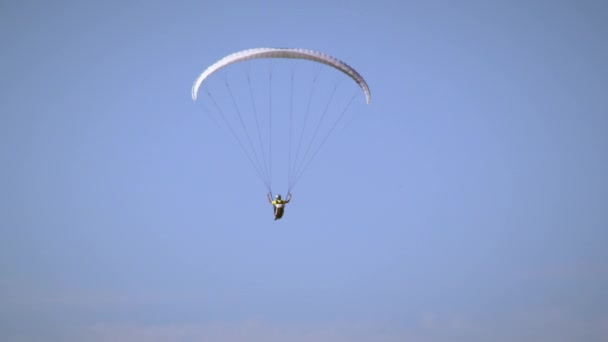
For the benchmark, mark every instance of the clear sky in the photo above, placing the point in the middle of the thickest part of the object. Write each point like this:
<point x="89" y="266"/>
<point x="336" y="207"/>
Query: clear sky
<point x="467" y="202"/>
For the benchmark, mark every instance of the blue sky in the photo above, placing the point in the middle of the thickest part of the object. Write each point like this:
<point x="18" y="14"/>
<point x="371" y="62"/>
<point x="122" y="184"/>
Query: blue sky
<point x="467" y="202"/>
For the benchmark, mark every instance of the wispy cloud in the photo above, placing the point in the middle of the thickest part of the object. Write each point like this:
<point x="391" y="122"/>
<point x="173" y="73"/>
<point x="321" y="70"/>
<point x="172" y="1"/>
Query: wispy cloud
<point x="532" y="326"/>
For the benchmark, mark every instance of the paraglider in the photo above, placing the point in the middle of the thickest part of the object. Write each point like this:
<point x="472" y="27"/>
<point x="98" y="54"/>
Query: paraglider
<point x="278" y="205"/>
<point x="249" y="109"/>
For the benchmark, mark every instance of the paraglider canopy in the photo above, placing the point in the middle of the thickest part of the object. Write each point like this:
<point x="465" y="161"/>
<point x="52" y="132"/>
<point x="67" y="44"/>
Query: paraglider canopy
<point x="282" y="53"/>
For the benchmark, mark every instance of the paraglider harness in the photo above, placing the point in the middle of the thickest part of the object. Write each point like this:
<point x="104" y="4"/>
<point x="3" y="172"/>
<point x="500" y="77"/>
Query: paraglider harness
<point x="279" y="208"/>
